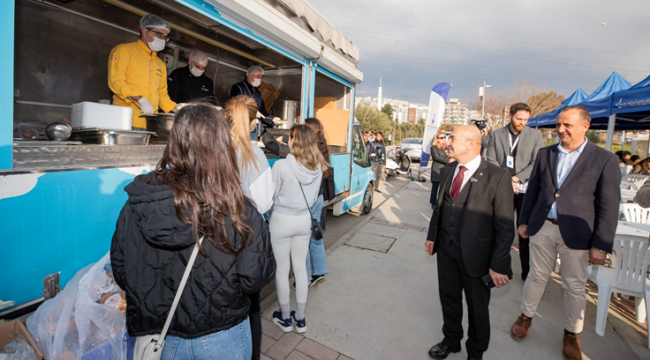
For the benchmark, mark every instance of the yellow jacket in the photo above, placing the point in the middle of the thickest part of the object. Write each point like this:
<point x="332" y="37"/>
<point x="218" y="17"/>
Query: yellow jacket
<point x="135" y="70"/>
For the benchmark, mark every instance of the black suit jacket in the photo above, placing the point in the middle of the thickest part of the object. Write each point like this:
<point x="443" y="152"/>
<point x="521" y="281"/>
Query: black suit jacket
<point x="488" y="228"/>
<point x="587" y="203"/>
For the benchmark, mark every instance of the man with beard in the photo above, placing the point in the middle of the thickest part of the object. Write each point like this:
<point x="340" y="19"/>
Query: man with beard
<point x="514" y="147"/>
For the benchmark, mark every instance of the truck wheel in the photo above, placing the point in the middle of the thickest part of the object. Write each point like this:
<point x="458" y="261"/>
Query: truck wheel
<point x="367" y="200"/>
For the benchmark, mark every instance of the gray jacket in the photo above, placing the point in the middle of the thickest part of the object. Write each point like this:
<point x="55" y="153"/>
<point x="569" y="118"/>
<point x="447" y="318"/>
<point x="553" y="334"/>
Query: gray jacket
<point x="530" y="141"/>
<point x="287" y="197"/>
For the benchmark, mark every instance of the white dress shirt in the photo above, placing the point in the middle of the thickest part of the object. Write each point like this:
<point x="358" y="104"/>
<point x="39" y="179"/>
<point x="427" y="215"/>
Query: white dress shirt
<point x="471" y="166"/>
<point x="565" y="162"/>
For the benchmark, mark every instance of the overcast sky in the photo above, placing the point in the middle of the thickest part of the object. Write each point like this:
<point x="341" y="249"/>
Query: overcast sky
<point x="560" y="45"/>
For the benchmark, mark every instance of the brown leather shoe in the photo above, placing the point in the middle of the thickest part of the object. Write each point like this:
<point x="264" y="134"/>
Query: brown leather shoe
<point x="519" y="329"/>
<point x="571" y="350"/>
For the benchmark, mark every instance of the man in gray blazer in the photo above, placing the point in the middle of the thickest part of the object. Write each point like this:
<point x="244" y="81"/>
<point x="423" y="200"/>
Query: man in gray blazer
<point x="514" y="147"/>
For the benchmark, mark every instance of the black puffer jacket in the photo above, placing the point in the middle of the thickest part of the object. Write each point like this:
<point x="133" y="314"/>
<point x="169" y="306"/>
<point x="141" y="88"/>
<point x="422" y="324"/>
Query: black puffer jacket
<point x="150" y="250"/>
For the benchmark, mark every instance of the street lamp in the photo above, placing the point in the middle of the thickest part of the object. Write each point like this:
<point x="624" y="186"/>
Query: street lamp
<point x="481" y="92"/>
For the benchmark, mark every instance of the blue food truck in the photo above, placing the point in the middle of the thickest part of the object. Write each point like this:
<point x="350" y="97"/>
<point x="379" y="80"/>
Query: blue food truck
<point x="59" y="200"/>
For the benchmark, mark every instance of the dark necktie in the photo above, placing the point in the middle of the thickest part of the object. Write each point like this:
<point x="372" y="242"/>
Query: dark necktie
<point x="458" y="182"/>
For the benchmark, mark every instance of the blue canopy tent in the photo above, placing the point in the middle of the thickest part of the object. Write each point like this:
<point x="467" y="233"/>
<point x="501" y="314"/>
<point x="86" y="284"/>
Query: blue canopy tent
<point x="549" y="118"/>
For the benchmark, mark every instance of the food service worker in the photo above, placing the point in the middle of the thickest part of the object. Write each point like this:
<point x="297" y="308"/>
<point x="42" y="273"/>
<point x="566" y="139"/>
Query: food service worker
<point x="136" y="71"/>
<point x="248" y="87"/>
<point x="187" y="83"/>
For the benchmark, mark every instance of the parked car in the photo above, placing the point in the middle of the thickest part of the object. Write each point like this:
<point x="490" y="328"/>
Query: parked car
<point x="413" y="147"/>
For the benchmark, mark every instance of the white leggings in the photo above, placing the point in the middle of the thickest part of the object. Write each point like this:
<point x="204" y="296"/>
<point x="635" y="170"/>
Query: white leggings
<point x="290" y="235"/>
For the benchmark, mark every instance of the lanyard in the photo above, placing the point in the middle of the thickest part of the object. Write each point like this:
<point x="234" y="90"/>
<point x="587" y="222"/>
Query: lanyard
<point x="512" y="146"/>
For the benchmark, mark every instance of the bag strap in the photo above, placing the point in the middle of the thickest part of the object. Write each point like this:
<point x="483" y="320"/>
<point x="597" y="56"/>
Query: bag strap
<point x="304" y="197"/>
<point x="303" y="192"/>
<point x="179" y="292"/>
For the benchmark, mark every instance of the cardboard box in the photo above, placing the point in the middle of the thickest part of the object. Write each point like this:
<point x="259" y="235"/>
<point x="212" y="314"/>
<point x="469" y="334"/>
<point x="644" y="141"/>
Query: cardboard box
<point x="17" y="326"/>
<point x="325" y="102"/>
<point x="335" y="123"/>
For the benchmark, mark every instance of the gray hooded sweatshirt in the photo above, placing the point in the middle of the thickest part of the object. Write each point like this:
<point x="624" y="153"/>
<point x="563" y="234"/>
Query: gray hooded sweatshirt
<point x="287" y="198"/>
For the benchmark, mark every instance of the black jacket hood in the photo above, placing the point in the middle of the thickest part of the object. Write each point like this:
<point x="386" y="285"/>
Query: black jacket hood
<point x="152" y="204"/>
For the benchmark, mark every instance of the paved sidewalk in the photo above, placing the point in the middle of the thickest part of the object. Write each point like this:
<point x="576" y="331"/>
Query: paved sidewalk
<point x="380" y="301"/>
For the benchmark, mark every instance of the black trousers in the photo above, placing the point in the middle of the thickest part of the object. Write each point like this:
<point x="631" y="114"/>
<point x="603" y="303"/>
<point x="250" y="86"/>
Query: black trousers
<point x="255" y="317"/>
<point x="453" y="280"/>
<point x="524" y="243"/>
<point x="434" y="193"/>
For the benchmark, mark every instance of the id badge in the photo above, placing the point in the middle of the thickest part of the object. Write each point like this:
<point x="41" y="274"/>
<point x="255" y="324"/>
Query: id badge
<point x="510" y="162"/>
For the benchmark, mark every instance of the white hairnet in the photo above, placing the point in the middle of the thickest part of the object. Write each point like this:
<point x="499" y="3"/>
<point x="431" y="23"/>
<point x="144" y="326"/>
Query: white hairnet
<point x="255" y="70"/>
<point x="199" y="57"/>
<point x="153" y="22"/>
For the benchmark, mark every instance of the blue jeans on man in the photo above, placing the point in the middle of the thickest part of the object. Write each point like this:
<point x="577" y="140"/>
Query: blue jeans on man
<point x="316" y="254"/>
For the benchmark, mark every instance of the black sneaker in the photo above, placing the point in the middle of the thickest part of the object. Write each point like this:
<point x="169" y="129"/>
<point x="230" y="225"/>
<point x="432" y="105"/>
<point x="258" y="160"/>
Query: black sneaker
<point x="301" y="325"/>
<point x="284" y="324"/>
<point x="316" y="279"/>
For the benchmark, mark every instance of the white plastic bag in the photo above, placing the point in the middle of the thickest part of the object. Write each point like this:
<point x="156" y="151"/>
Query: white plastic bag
<point x="73" y="325"/>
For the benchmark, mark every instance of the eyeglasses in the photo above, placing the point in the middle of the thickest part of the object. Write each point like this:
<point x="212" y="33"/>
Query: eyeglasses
<point x="159" y="35"/>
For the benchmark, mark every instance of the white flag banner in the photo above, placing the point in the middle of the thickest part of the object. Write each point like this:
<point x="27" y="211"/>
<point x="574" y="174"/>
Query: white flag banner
<point x="437" y="102"/>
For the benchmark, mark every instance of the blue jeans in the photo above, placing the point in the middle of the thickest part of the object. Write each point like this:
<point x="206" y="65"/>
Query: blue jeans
<point x="231" y="344"/>
<point x="316" y="254"/>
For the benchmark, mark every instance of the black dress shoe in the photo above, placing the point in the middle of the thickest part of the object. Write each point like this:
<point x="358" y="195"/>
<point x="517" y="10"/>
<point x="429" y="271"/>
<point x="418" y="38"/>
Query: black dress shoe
<point x="441" y="351"/>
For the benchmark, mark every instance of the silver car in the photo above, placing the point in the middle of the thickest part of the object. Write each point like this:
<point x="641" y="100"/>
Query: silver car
<point x="413" y="147"/>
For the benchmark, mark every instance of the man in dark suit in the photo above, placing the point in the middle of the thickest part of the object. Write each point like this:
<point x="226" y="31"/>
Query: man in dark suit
<point x="571" y="208"/>
<point x="514" y="147"/>
<point x="471" y="229"/>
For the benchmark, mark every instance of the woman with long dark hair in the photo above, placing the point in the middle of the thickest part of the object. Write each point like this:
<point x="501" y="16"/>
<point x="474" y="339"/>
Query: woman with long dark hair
<point x="194" y="193"/>
<point x="256" y="182"/>
<point x="297" y="182"/>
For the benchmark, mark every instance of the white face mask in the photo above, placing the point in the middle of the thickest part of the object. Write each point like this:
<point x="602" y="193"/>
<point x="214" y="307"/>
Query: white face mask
<point x="196" y="72"/>
<point x="157" y="44"/>
<point x="256" y="82"/>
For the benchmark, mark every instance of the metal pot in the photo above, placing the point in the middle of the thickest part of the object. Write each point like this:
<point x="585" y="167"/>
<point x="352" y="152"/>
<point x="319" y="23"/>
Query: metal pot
<point x="287" y="109"/>
<point x="58" y="131"/>
<point x="161" y="124"/>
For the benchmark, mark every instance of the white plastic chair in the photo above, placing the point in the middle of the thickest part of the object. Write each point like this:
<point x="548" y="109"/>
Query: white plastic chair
<point x="627" y="277"/>
<point x="637" y="179"/>
<point x="628" y="185"/>
<point x="625" y="169"/>
<point x="635" y="213"/>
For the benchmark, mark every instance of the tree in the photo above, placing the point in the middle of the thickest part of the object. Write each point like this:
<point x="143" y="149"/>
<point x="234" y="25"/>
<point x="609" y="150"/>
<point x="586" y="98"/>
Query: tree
<point x="498" y="101"/>
<point x="388" y="110"/>
<point x="544" y="102"/>
<point x="447" y="126"/>
<point x="371" y="119"/>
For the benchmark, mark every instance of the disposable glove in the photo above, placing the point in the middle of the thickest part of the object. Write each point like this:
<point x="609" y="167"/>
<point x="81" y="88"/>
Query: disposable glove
<point x="145" y="106"/>
<point x="259" y="115"/>
<point x="276" y="120"/>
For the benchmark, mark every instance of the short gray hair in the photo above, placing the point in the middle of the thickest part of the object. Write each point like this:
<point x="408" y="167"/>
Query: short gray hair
<point x="153" y="22"/>
<point x="199" y="56"/>
<point x="255" y="70"/>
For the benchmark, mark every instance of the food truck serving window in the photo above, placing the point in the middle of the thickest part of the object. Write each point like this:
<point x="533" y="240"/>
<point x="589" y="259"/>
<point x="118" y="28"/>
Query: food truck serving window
<point x="332" y="108"/>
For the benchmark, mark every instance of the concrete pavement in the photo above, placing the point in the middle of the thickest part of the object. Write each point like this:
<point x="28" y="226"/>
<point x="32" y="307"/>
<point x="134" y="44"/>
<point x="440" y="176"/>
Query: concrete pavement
<point x="380" y="300"/>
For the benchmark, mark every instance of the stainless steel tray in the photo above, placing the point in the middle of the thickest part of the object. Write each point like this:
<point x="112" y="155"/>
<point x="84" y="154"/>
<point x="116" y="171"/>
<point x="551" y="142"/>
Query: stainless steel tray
<point x="111" y="137"/>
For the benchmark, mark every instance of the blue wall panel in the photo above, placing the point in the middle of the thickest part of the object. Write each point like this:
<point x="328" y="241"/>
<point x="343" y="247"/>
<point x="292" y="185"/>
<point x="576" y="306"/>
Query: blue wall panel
<point x="7" y="9"/>
<point x="63" y="224"/>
